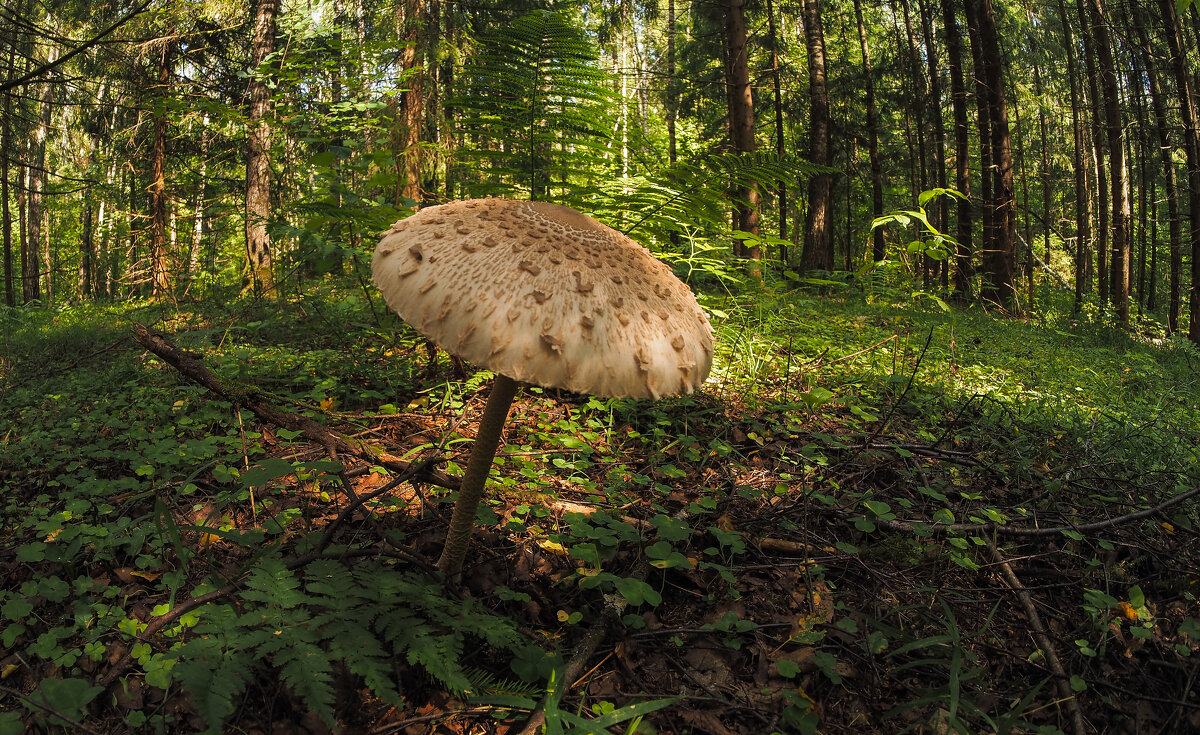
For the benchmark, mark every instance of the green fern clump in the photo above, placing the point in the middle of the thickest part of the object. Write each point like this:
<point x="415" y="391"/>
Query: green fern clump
<point x="328" y="617"/>
<point x="535" y="111"/>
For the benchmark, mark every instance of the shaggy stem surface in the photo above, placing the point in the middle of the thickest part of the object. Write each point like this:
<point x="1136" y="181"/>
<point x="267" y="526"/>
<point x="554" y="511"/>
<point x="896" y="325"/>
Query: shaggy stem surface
<point x="491" y="426"/>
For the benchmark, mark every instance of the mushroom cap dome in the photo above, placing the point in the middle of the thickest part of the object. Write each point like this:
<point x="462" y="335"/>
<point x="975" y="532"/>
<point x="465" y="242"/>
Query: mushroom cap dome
<point x="545" y="295"/>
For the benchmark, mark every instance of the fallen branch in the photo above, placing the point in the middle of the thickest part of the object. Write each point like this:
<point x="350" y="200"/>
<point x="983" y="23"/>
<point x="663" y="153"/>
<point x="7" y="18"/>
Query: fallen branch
<point x="1062" y="680"/>
<point x="190" y="367"/>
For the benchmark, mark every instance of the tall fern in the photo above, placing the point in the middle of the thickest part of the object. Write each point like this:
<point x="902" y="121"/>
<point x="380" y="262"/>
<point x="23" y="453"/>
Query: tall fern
<point x="536" y="110"/>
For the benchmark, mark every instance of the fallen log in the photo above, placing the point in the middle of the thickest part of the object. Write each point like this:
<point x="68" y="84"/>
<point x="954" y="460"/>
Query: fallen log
<point x="191" y="368"/>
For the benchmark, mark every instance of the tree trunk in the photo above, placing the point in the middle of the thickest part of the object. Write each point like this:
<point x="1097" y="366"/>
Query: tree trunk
<point x="1191" y="147"/>
<point x="411" y="96"/>
<point x="917" y="103"/>
<point x="1119" y="172"/>
<point x="198" y="204"/>
<point x="1083" y="217"/>
<point x="998" y="252"/>
<point x="671" y="102"/>
<point x="963" y="270"/>
<point x="87" y="254"/>
<point x="258" y="151"/>
<point x="741" y="123"/>
<point x="1166" y="144"/>
<point x="1099" y="153"/>
<point x="10" y="293"/>
<point x="940" y="208"/>
<point x="160" y="255"/>
<point x="878" y="246"/>
<point x="29" y="268"/>
<point x="780" y="144"/>
<point x="818" y="220"/>
<point x="37" y="188"/>
<point x="1043" y="133"/>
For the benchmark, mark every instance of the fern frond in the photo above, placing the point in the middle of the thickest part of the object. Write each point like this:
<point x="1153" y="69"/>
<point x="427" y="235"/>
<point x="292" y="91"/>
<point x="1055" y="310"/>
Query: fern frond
<point x="306" y="670"/>
<point x="536" y="107"/>
<point x="272" y="583"/>
<point x="695" y="195"/>
<point x="299" y="623"/>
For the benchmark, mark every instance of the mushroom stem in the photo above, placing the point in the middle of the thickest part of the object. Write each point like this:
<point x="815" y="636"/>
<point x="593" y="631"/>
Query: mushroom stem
<point x="470" y="492"/>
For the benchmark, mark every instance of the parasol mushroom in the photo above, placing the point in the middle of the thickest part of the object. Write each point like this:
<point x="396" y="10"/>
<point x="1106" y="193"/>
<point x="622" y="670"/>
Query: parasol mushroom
<point x="539" y="294"/>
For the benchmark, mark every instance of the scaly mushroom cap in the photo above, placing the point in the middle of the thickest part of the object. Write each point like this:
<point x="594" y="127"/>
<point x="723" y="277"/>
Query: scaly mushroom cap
<point x="545" y="295"/>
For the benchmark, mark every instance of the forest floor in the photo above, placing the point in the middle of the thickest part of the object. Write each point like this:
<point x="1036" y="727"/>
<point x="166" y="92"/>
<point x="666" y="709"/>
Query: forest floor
<point x="877" y="517"/>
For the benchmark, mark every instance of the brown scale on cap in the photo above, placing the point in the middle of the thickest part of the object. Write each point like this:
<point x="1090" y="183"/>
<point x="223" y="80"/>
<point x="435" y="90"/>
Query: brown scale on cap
<point x="559" y="315"/>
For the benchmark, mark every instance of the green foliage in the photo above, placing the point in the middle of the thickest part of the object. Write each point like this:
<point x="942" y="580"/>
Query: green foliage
<point x="560" y="721"/>
<point x="536" y="107"/>
<point x="312" y="627"/>
<point x="692" y="197"/>
<point x="929" y="243"/>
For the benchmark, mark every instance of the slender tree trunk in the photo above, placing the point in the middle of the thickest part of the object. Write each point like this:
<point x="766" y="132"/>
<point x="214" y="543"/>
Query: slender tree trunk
<point x="818" y="220"/>
<point x="412" y="95"/>
<point x="998" y="256"/>
<point x="258" y="152"/>
<point x="917" y="103"/>
<point x="1099" y="153"/>
<point x="1191" y="146"/>
<point x="160" y="255"/>
<point x="1119" y="172"/>
<point x="87" y="254"/>
<point x="37" y="188"/>
<point x="780" y="144"/>
<point x="987" y="214"/>
<point x="963" y="270"/>
<point x="10" y="293"/>
<point x="878" y="246"/>
<point x="1043" y="133"/>
<point x="198" y="204"/>
<point x="936" y="121"/>
<point x="1166" y="145"/>
<point x="671" y="102"/>
<point x="29" y="269"/>
<point x="741" y="122"/>
<point x="1082" y="194"/>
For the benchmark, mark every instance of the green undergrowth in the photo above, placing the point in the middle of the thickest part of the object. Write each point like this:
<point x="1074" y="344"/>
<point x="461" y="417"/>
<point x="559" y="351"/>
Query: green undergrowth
<point x="166" y="539"/>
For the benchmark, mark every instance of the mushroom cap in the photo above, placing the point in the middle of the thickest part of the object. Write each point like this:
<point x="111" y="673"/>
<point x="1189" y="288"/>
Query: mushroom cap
<point x="545" y="295"/>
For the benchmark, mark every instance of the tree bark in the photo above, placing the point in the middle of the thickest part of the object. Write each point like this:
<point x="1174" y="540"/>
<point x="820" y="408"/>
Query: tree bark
<point x="1119" y="275"/>
<point x="413" y="21"/>
<point x="1098" y="153"/>
<point x="160" y="255"/>
<point x="37" y="188"/>
<point x="780" y="145"/>
<point x="999" y="251"/>
<point x="741" y="123"/>
<point x="1083" y="218"/>
<point x="10" y="294"/>
<point x="963" y="271"/>
<point x="917" y="103"/>
<point x="1191" y="147"/>
<point x="818" y="219"/>
<point x="878" y="244"/>
<point x="1166" y="142"/>
<point x="29" y="274"/>
<point x="258" y="152"/>
<point x="940" y="205"/>
<point x="672" y="102"/>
